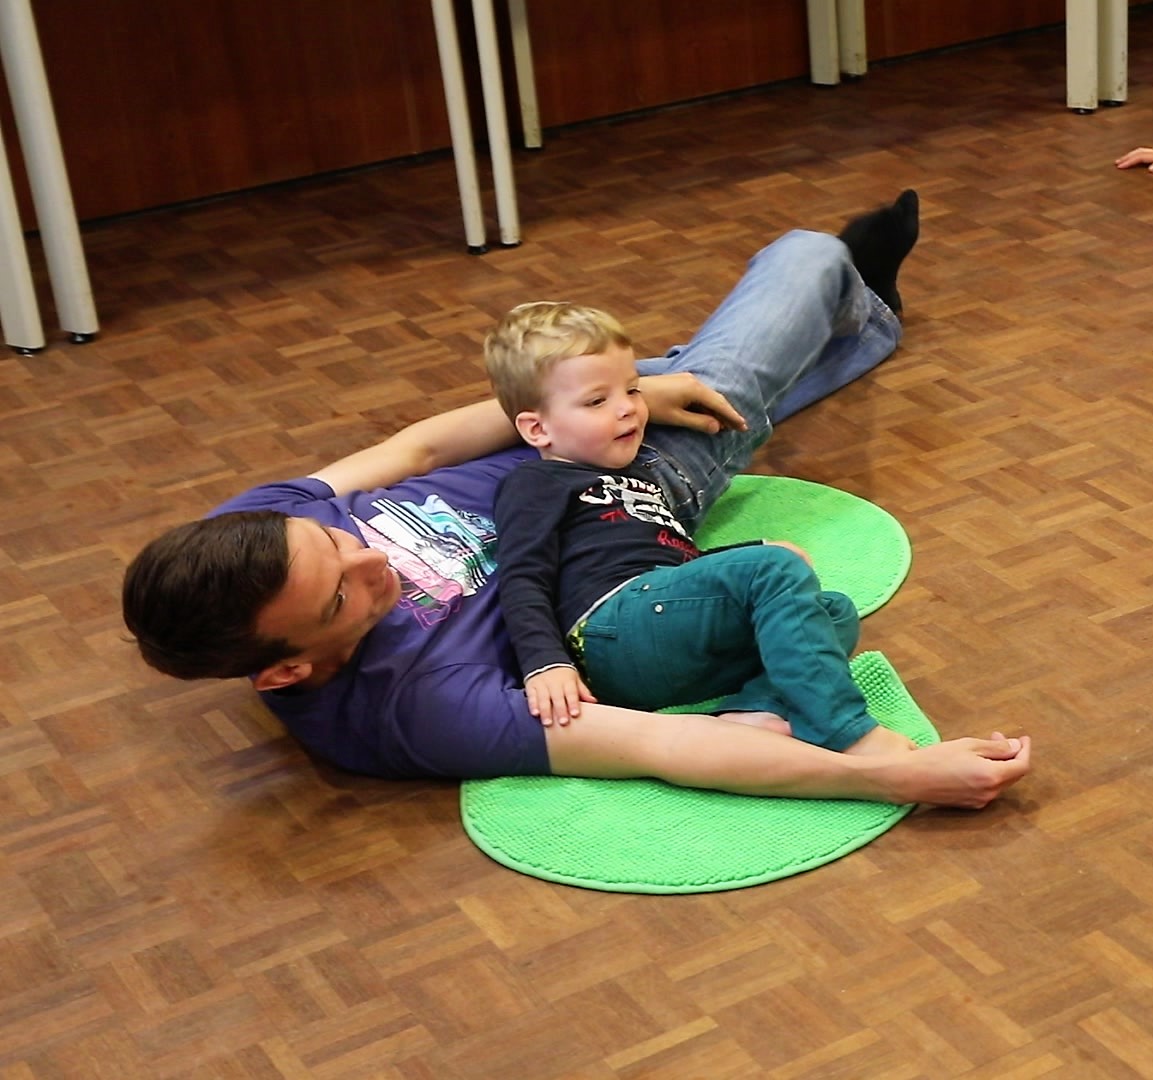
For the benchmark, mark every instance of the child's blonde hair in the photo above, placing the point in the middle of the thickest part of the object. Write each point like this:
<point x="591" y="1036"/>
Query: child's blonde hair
<point x="533" y="338"/>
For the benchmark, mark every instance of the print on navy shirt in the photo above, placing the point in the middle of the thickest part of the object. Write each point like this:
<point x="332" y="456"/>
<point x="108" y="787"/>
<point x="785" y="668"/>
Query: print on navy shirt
<point x="441" y="554"/>
<point x="639" y="499"/>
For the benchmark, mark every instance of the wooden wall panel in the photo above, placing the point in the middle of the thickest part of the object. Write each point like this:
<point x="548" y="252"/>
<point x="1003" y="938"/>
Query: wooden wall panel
<point x="165" y="102"/>
<point x="902" y="27"/>
<point x="619" y="56"/>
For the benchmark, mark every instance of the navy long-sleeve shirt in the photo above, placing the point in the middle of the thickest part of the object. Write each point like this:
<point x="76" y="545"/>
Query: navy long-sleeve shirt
<point x="567" y="535"/>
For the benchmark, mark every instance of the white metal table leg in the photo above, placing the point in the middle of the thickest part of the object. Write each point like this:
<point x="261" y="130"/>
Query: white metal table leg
<point x="40" y="140"/>
<point x="824" y="59"/>
<point x="1081" y="54"/>
<point x="19" y="313"/>
<point x="459" y="126"/>
<point x="851" y="37"/>
<point x="525" y="74"/>
<point x="1112" y="51"/>
<point x="497" y="121"/>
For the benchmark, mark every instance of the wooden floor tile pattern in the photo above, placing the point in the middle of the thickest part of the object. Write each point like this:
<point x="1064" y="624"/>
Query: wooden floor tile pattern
<point x="183" y="895"/>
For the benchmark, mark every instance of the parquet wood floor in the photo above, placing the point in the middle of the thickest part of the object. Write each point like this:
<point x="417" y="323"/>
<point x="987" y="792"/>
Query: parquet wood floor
<point x="182" y="895"/>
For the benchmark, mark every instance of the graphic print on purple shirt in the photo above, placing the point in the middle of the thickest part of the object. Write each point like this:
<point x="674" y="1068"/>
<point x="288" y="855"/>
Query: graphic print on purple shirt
<point x="441" y="554"/>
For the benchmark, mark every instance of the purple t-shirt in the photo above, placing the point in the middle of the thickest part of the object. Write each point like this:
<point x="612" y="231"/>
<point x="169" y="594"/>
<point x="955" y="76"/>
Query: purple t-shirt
<point x="434" y="689"/>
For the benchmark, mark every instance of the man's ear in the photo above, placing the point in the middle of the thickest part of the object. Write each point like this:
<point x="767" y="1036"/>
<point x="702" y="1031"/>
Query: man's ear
<point x="531" y="428"/>
<point x="282" y="674"/>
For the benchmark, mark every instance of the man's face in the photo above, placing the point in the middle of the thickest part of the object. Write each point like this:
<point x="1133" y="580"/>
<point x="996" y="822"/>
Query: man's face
<point x="337" y="591"/>
<point x="594" y="411"/>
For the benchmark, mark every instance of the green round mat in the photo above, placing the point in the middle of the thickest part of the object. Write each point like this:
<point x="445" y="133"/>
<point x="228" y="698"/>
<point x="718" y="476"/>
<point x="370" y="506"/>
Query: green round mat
<point x="857" y="548"/>
<point x="648" y="836"/>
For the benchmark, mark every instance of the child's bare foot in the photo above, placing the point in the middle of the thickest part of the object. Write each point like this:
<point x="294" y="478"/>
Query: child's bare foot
<point x="881" y="740"/>
<point x="765" y="720"/>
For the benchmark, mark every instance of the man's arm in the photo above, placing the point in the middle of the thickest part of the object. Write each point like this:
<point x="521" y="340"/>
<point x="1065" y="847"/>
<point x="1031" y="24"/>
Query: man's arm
<point x="680" y="399"/>
<point x="703" y="751"/>
<point x="472" y="431"/>
<point x="448" y="439"/>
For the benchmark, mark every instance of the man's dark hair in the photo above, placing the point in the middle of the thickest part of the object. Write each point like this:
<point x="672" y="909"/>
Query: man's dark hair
<point x="192" y="596"/>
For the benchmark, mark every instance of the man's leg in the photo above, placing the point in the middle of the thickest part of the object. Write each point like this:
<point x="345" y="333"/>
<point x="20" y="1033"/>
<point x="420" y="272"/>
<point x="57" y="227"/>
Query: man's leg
<point x="692" y="750"/>
<point x="878" y="242"/>
<point x="799" y="324"/>
<point x="844" y="360"/>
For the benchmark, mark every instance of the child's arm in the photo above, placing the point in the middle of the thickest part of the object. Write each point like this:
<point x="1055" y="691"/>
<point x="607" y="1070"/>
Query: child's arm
<point x="529" y="517"/>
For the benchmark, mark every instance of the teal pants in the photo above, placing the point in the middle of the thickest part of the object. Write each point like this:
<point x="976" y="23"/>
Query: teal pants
<point x="748" y="625"/>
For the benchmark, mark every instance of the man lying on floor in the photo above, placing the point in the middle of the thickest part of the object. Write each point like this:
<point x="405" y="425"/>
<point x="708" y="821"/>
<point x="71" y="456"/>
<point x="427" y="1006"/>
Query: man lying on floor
<point x="362" y="604"/>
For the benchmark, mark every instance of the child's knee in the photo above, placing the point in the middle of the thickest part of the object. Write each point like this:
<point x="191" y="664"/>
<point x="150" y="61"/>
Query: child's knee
<point x="806" y="242"/>
<point x="785" y="555"/>
<point x="765" y="570"/>
<point x="845" y="618"/>
<point x="789" y="546"/>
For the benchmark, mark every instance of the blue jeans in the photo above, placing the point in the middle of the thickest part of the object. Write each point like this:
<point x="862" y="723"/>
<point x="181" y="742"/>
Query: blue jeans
<point x="750" y="625"/>
<point x="799" y="324"/>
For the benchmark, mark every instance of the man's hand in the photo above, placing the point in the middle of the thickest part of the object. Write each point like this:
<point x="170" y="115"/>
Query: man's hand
<point x="1143" y="155"/>
<point x="682" y="400"/>
<point x="556" y="694"/>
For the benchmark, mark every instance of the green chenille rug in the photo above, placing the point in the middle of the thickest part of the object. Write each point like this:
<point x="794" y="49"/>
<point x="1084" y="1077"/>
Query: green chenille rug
<point x="647" y="836"/>
<point x="857" y="548"/>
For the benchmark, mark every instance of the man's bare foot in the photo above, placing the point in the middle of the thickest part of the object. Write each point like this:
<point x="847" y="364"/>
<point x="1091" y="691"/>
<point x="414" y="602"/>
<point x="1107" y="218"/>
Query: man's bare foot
<point x="960" y="772"/>
<point x="766" y="720"/>
<point x="881" y="740"/>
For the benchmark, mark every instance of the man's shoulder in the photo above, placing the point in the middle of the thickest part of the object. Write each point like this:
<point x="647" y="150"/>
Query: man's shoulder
<point x="285" y="495"/>
<point x="454" y="710"/>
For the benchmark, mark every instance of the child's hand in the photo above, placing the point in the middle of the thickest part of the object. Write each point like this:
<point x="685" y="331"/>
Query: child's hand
<point x="790" y="547"/>
<point x="556" y="694"/>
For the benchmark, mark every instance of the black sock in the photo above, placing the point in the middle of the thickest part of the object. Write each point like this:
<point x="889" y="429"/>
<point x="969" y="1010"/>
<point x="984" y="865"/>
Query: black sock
<point x="879" y="242"/>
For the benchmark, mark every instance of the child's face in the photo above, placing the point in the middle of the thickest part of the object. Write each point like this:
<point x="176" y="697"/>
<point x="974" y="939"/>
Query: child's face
<point x="593" y="410"/>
